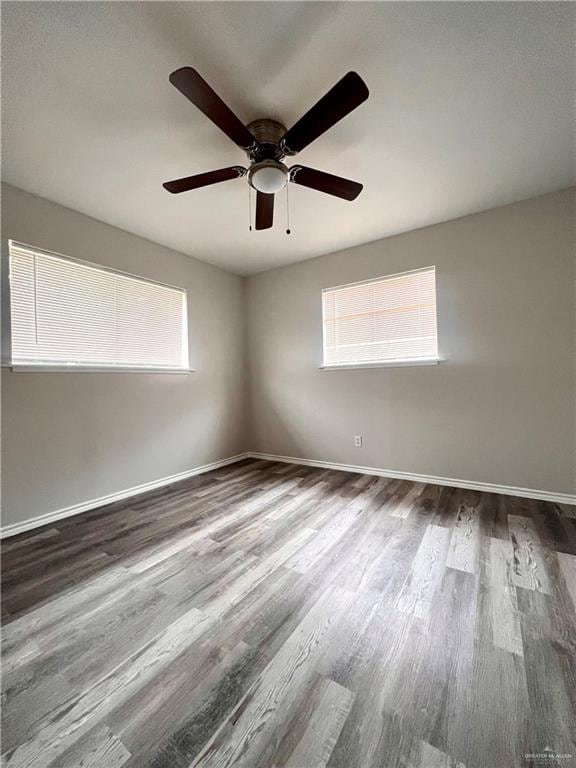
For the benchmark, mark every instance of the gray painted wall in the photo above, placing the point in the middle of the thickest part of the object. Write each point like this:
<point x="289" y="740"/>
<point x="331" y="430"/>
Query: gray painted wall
<point x="71" y="437"/>
<point x="500" y="410"/>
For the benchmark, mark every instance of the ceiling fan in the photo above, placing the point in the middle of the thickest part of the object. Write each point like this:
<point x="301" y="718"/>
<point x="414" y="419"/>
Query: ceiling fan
<point x="266" y="142"/>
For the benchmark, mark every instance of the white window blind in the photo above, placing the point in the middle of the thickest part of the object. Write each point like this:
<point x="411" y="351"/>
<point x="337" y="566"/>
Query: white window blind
<point x="69" y="313"/>
<point x="391" y="319"/>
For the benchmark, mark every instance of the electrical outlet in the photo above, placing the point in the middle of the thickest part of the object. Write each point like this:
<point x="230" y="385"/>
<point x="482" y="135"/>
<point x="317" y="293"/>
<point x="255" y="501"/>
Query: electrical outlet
<point x="357" y="441"/>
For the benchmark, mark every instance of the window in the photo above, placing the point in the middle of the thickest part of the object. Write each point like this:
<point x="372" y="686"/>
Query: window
<point x="68" y="313"/>
<point x="390" y="320"/>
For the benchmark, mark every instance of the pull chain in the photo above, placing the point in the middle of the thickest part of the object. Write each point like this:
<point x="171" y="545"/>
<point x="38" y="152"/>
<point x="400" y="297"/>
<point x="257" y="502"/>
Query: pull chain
<point x="249" y="208"/>
<point x="287" y="212"/>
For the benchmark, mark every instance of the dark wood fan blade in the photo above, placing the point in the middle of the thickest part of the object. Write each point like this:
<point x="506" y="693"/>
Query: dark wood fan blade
<point x="195" y="88"/>
<point x="204" y="179"/>
<point x="325" y="182"/>
<point x="264" y="210"/>
<point x="346" y="95"/>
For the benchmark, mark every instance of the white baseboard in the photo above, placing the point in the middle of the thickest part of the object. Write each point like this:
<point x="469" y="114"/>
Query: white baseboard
<point x="508" y="490"/>
<point x="85" y="506"/>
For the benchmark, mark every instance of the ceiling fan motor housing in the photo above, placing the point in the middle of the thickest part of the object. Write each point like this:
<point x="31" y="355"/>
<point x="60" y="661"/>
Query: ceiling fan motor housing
<point x="268" y="134"/>
<point x="267" y="131"/>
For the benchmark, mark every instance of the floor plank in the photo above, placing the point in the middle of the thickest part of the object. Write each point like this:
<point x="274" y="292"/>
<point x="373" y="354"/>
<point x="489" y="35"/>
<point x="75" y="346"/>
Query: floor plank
<point x="505" y="618"/>
<point x="568" y="569"/>
<point x="426" y="573"/>
<point x="323" y="730"/>
<point x="463" y="551"/>
<point x="529" y="565"/>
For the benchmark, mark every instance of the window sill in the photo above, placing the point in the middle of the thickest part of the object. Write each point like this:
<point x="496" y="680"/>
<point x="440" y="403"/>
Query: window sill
<point x="89" y="369"/>
<point x="388" y="364"/>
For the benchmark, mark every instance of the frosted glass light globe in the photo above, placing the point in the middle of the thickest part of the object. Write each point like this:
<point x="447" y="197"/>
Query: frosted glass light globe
<point x="269" y="178"/>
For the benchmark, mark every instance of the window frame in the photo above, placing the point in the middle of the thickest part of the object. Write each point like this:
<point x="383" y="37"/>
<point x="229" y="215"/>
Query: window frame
<point x="394" y="363"/>
<point x="72" y="367"/>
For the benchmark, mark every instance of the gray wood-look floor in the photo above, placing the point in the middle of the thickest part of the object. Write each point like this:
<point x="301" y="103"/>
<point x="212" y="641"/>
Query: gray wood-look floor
<point x="272" y="615"/>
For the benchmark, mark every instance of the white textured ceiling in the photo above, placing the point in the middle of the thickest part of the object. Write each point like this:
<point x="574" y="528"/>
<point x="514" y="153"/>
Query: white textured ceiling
<point x="471" y="107"/>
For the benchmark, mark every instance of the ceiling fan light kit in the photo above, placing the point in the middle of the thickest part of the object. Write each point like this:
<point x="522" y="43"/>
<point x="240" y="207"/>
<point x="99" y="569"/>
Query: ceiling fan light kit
<point x="266" y="143"/>
<point x="268" y="176"/>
